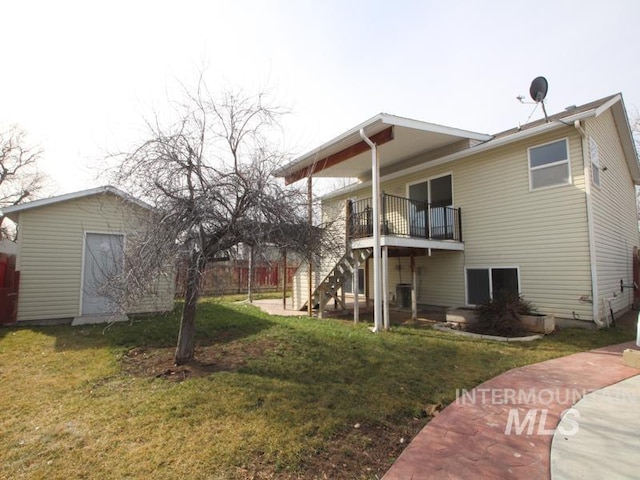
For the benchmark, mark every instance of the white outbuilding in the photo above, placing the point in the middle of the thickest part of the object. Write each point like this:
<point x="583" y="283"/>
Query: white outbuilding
<point x="65" y="244"/>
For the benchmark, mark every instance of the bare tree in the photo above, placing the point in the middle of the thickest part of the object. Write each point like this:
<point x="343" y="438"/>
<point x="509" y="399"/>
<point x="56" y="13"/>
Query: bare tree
<point x="20" y="179"/>
<point x="208" y="175"/>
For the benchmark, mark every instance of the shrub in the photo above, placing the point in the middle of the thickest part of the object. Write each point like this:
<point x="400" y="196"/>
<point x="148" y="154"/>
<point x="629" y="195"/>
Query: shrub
<point x="501" y="315"/>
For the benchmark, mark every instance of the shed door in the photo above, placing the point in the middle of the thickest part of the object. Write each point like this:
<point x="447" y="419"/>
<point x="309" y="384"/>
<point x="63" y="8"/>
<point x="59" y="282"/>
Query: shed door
<point x="103" y="262"/>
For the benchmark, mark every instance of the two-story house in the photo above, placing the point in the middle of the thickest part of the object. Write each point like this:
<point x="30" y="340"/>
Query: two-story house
<point x="547" y="210"/>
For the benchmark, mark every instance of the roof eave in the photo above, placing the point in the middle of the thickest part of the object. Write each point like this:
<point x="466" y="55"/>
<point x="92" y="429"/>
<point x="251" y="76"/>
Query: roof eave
<point x="312" y="156"/>
<point x="489" y="145"/>
<point x="625" y="133"/>
<point x="13" y="211"/>
<point x="432" y="127"/>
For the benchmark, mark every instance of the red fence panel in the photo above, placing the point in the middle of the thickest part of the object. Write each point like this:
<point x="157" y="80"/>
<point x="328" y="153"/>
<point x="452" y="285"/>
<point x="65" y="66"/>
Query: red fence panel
<point x="9" y="284"/>
<point x="234" y="278"/>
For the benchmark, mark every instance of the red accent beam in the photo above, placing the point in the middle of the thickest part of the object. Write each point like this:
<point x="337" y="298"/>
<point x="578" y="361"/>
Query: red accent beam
<point x="379" y="138"/>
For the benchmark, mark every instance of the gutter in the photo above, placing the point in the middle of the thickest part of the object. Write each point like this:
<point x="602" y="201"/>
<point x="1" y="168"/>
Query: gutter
<point x="377" y="281"/>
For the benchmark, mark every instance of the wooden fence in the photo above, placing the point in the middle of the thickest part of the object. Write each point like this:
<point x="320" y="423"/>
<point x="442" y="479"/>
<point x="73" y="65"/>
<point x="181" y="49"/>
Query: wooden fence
<point x="230" y="278"/>
<point x="9" y="283"/>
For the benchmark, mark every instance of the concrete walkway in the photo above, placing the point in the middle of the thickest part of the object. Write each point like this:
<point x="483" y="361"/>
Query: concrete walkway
<point x="606" y="435"/>
<point x="504" y="428"/>
<point x="274" y="306"/>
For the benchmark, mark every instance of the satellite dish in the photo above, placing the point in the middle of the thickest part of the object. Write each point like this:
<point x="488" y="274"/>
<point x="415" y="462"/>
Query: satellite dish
<point x="538" y="89"/>
<point x="538" y="92"/>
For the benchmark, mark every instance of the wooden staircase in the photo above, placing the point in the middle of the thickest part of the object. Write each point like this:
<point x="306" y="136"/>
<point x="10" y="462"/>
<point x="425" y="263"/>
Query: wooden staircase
<point x="331" y="288"/>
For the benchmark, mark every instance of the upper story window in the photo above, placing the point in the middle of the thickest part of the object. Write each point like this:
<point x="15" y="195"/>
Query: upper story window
<point x="549" y="165"/>
<point x="594" y="156"/>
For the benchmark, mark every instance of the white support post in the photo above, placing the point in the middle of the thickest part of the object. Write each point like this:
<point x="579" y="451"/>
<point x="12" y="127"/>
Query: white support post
<point x="414" y="286"/>
<point x="321" y="300"/>
<point x="385" y="285"/>
<point x="356" y="287"/>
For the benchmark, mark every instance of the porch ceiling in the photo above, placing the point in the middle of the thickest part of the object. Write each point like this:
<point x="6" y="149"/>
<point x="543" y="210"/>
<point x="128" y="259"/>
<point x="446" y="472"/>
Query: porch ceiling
<point x="397" y="138"/>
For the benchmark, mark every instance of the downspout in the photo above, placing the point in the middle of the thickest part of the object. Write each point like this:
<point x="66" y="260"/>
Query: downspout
<point x="377" y="280"/>
<point x="310" y="281"/>
<point x="592" y="243"/>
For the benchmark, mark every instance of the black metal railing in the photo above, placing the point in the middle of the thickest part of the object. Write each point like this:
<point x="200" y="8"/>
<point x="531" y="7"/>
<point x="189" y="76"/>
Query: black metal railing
<point x="404" y="217"/>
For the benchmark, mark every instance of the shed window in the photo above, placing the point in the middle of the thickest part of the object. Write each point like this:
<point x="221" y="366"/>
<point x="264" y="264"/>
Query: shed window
<point x="549" y="165"/>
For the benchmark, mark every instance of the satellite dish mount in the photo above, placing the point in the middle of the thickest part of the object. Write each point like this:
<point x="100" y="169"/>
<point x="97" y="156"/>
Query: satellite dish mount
<point x="538" y="92"/>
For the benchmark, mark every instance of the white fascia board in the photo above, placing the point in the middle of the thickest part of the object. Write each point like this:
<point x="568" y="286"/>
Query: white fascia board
<point x="432" y="127"/>
<point x="607" y="105"/>
<point x="626" y="136"/>
<point x="515" y="137"/>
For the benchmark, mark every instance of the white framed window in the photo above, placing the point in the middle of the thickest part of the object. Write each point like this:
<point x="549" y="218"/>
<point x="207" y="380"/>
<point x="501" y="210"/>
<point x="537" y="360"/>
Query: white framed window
<point x="482" y="283"/>
<point x="549" y="165"/>
<point x="594" y="158"/>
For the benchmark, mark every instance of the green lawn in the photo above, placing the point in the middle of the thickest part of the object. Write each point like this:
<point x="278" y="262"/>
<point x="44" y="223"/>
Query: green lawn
<point x="271" y="397"/>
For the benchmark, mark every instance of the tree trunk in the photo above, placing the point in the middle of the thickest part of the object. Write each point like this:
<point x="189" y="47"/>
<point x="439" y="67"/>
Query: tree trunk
<point x="186" y="337"/>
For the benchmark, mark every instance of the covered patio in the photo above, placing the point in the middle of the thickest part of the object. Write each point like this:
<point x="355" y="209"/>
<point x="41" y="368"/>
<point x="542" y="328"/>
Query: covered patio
<point x="383" y="225"/>
<point x="427" y="314"/>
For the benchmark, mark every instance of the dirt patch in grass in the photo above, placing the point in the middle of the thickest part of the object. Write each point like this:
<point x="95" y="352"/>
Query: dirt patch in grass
<point x="227" y="357"/>
<point x="364" y="451"/>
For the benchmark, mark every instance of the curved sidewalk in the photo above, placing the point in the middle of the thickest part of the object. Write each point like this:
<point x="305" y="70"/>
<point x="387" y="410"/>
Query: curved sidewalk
<point x="504" y="427"/>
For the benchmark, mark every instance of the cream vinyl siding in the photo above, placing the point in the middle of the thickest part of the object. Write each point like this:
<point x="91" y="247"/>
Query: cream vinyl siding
<point x="50" y="253"/>
<point x="299" y="286"/>
<point x="615" y="216"/>
<point x="542" y="232"/>
<point x="440" y="277"/>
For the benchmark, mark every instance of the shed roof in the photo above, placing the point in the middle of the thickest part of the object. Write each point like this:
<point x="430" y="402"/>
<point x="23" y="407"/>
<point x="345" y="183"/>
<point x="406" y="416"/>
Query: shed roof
<point x="12" y="211"/>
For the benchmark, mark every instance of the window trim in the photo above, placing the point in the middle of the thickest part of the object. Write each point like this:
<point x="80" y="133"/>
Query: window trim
<point x="567" y="161"/>
<point x="489" y="268"/>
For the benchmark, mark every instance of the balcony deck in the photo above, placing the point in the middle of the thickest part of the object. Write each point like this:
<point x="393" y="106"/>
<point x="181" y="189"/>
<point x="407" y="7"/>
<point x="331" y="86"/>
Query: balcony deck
<point x="405" y="223"/>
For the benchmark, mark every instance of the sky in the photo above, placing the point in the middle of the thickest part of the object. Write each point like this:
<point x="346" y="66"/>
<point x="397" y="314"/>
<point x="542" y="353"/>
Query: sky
<point x="81" y="77"/>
